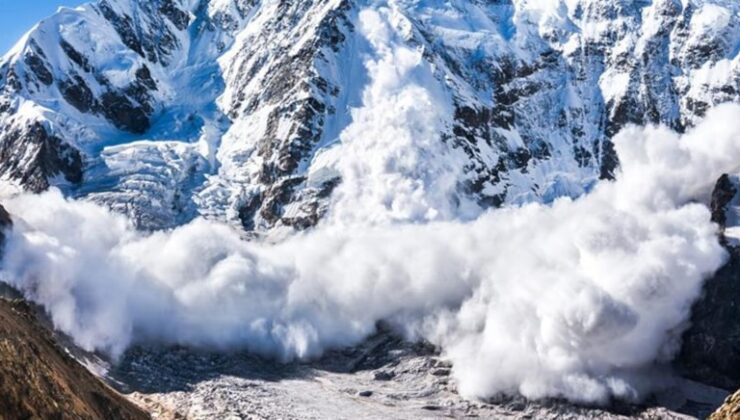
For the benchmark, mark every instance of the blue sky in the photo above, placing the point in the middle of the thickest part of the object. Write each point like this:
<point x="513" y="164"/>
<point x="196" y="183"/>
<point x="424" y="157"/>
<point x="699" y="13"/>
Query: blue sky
<point x="18" y="16"/>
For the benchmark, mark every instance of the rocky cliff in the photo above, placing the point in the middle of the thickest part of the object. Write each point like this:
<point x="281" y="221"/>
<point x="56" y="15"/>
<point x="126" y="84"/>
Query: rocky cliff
<point x="248" y="111"/>
<point x="39" y="379"/>
<point x="729" y="410"/>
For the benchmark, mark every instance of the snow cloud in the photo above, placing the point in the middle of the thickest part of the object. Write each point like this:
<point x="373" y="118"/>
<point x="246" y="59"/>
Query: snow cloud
<point x="393" y="165"/>
<point x="577" y="299"/>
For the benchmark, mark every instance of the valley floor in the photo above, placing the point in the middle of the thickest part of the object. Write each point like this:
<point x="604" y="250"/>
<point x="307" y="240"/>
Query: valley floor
<point x="383" y="378"/>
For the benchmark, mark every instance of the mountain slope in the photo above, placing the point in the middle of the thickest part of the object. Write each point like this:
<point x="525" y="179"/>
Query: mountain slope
<point x="729" y="410"/>
<point x="265" y="113"/>
<point x="39" y="380"/>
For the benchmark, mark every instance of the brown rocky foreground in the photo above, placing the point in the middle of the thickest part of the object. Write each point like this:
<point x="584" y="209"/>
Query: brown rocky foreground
<point x="38" y="379"/>
<point x="730" y="410"/>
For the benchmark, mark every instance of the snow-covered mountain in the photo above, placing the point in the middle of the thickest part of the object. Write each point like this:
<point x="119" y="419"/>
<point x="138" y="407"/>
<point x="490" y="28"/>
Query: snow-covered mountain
<point x="263" y="113"/>
<point x="275" y="116"/>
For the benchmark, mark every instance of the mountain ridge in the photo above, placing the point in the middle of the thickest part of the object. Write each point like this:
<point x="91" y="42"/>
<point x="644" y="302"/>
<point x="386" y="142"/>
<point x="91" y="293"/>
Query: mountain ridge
<point x="41" y="380"/>
<point x="278" y="116"/>
<point x="243" y="111"/>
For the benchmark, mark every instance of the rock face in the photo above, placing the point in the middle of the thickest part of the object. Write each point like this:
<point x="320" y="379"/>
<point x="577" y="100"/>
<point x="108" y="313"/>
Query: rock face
<point x="38" y="379"/>
<point x="724" y="192"/>
<point x="5" y="223"/>
<point x="244" y="111"/>
<point x="710" y="346"/>
<point x="730" y="410"/>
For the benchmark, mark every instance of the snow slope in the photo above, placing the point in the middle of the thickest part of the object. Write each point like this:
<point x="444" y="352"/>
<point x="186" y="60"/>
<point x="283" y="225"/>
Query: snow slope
<point x="268" y="114"/>
<point x="396" y="124"/>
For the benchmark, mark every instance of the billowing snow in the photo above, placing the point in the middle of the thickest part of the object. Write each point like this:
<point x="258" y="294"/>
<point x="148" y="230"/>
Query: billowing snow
<point x="578" y="299"/>
<point x="397" y="125"/>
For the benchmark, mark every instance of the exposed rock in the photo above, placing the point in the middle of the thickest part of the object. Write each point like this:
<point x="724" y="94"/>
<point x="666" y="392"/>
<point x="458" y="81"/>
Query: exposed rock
<point x="5" y="223"/>
<point x="532" y="97"/>
<point x="710" y="351"/>
<point x="44" y="156"/>
<point x="38" y="67"/>
<point x="38" y="379"/>
<point x="178" y="17"/>
<point x="75" y="56"/>
<point x="383" y="375"/>
<point x="730" y="410"/>
<point x="723" y="193"/>
<point x="441" y="372"/>
<point x="78" y="94"/>
<point x="123" y="113"/>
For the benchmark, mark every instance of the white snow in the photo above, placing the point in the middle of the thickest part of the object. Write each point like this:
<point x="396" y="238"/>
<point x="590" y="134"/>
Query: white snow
<point x="226" y="59"/>
<point x="576" y="300"/>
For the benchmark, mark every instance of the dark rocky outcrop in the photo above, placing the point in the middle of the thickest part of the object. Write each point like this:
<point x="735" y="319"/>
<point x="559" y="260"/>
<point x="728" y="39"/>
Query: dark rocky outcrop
<point x="124" y="114"/>
<point x="5" y="223"/>
<point x="37" y="66"/>
<point x="75" y="55"/>
<point x="723" y="193"/>
<point x="179" y="18"/>
<point x="711" y="346"/>
<point x="45" y="156"/>
<point x="78" y="94"/>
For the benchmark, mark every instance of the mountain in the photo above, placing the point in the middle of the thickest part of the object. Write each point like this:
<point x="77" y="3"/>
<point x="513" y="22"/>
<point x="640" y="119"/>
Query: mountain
<point x="708" y="351"/>
<point x="251" y="111"/>
<point x="38" y="378"/>
<point x="275" y="116"/>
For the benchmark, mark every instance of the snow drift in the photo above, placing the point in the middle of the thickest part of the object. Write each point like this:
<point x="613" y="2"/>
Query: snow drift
<point x="577" y="299"/>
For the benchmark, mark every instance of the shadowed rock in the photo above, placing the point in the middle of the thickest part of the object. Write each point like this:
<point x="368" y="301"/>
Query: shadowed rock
<point x="711" y="346"/>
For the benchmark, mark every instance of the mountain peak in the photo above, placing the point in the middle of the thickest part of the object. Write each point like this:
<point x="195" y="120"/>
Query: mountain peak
<point x="242" y="110"/>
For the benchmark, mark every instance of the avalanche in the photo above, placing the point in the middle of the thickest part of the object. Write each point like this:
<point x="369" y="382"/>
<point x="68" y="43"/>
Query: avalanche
<point x="578" y="299"/>
<point x="435" y="165"/>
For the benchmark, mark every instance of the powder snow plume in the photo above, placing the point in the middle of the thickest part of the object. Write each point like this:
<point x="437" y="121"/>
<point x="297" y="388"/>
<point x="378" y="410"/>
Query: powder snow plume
<point x="577" y="299"/>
